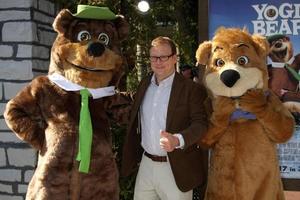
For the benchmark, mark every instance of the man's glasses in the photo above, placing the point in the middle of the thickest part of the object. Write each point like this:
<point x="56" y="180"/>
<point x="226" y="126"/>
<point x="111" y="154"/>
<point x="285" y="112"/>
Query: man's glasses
<point x="161" y="58"/>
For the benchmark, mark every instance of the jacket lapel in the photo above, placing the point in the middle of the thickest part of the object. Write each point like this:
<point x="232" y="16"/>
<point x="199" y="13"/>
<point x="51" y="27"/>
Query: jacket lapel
<point x="174" y="96"/>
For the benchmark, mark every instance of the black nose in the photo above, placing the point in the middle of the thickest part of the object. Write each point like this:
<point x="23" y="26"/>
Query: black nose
<point x="229" y="77"/>
<point x="95" y="49"/>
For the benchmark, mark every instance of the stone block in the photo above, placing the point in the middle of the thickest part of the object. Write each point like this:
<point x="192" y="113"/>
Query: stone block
<point x="22" y="189"/>
<point x="42" y="18"/>
<point x="1" y="90"/>
<point x="11" y="89"/>
<point x="40" y="65"/>
<point x="9" y="137"/>
<point x="7" y="197"/>
<point x="28" y="175"/>
<point x="6" y="15"/>
<point x="3" y="125"/>
<point x="11" y="175"/>
<point x="2" y="107"/>
<point x="30" y="51"/>
<point x="47" y="7"/>
<point x="44" y="26"/>
<point x="19" y="32"/>
<point x="6" y="51"/>
<point x="46" y="37"/>
<point x="17" y="4"/>
<point x="21" y="157"/>
<point x="2" y="158"/>
<point x="16" y="70"/>
<point x="6" y="188"/>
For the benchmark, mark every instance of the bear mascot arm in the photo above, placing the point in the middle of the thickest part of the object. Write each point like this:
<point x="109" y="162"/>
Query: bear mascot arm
<point x="23" y="115"/>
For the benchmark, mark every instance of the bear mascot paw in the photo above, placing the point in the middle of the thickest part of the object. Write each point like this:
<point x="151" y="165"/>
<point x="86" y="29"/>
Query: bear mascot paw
<point x="247" y="119"/>
<point x="64" y="115"/>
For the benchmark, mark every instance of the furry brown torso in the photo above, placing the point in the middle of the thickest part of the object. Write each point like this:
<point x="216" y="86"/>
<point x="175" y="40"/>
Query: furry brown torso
<point x="281" y="78"/>
<point x="57" y="176"/>
<point x="233" y="157"/>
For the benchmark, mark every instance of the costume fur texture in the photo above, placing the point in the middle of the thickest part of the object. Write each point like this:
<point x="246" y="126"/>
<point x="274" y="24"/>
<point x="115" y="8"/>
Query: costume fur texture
<point x="244" y="164"/>
<point x="281" y="81"/>
<point x="86" y="52"/>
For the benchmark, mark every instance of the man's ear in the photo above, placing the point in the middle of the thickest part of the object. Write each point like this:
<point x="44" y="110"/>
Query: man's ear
<point x="62" y="21"/>
<point x="261" y="45"/>
<point x="122" y="27"/>
<point x="203" y="52"/>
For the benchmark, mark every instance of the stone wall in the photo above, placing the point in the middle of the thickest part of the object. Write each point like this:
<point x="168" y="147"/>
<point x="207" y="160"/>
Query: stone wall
<point x="26" y="36"/>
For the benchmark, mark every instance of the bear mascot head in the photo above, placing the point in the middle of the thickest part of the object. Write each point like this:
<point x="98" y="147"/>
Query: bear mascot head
<point x="65" y="115"/>
<point x="284" y="72"/>
<point x="247" y="120"/>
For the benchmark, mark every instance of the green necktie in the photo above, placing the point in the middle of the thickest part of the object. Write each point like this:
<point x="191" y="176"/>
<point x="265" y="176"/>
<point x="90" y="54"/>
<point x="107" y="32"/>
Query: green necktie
<point x="292" y="71"/>
<point x="85" y="133"/>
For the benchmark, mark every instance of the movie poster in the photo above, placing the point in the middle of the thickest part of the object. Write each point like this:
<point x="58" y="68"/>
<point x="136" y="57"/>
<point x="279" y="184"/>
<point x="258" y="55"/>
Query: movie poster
<point x="280" y="21"/>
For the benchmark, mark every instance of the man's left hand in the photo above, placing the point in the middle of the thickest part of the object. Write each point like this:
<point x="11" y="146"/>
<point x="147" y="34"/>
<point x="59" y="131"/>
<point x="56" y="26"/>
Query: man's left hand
<point x="168" y="141"/>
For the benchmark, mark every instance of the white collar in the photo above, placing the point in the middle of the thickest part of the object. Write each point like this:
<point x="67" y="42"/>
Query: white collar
<point x="281" y="64"/>
<point x="67" y="85"/>
<point x="165" y="82"/>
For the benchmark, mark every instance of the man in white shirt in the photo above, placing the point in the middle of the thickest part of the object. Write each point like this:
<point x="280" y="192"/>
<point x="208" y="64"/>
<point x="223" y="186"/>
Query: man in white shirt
<point x="167" y="119"/>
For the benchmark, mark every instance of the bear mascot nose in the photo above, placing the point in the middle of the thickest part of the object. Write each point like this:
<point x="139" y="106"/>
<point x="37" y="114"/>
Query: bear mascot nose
<point x="230" y="77"/>
<point x="95" y="49"/>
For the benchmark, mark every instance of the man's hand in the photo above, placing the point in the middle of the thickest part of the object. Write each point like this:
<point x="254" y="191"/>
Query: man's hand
<point x="168" y="141"/>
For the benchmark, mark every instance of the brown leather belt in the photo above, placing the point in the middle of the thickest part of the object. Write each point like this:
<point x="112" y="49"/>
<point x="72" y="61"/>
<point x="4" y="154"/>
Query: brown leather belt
<point x="156" y="158"/>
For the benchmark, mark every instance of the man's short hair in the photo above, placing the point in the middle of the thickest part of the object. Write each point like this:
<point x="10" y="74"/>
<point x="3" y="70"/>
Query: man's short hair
<point x="164" y="40"/>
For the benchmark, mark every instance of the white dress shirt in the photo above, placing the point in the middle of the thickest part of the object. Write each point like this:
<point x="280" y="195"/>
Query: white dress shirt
<point x="154" y="114"/>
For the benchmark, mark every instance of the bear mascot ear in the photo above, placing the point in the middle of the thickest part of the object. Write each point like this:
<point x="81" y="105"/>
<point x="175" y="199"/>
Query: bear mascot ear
<point x="261" y="45"/>
<point x="122" y="27"/>
<point x="203" y="52"/>
<point x="62" y="21"/>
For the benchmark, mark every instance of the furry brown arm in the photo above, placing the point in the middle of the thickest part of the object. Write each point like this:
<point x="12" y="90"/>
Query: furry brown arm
<point x="274" y="117"/>
<point x="118" y="107"/>
<point x="23" y="116"/>
<point x="219" y="120"/>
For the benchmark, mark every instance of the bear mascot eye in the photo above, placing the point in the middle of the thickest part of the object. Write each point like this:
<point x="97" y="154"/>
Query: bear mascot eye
<point x="83" y="36"/>
<point x="243" y="60"/>
<point x="103" y="38"/>
<point x="219" y="62"/>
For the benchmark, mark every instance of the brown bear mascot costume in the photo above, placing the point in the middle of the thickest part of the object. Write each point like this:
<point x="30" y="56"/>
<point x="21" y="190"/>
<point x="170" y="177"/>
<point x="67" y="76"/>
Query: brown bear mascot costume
<point x="65" y="115"/>
<point x="247" y="119"/>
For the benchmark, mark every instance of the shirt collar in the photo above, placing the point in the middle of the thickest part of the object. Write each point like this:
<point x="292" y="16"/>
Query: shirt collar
<point x="164" y="83"/>
<point x="281" y="64"/>
<point x="67" y="85"/>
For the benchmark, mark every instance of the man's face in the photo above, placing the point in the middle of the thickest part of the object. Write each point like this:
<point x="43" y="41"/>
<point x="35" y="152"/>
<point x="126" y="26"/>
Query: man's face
<point x="162" y="61"/>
